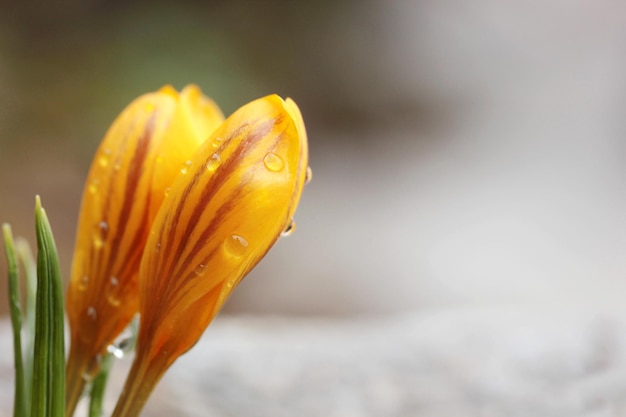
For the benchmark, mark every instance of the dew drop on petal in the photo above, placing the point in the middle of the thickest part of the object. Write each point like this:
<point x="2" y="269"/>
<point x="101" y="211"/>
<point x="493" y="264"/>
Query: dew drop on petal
<point x="236" y="245"/>
<point x="98" y="242"/>
<point x="214" y="162"/>
<point x="93" y="188"/>
<point x="112" y="292"/>
<point x="91" y="312"/>
<point x="125" y="344"/>
<point x="200" y="269"/>
<point x="167" y="191"/>
<point x="103" y="160"/>
<point x="230" y="283"/>
<point x="115" y="351"/>
<point x="291" y="227"/>
<point x="113" y="299"/>
<point x="100" y="233"/>
<point x="82" y="283"/>
<point x="157" y="247"/>
<point x="217" y="142"/>
<point x="273" y="162"/>
<point x="309" y="175"/>
<point x="185" y="167"/>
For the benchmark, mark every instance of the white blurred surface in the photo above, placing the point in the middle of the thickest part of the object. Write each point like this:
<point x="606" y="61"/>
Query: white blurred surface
<point x="515" y="361"/>
<point x="515" y="193"/>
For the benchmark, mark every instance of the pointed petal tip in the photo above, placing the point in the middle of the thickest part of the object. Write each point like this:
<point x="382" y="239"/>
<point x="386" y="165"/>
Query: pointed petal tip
<point x="191" y="89"/>
<point x="169" y="90"/>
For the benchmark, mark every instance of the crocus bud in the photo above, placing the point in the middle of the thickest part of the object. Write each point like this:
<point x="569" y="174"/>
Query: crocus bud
<point x="146" y="147"/>
<point x="219" y="219"/>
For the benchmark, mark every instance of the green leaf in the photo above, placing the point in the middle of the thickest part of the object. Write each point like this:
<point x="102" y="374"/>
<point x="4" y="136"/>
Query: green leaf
<point x="20" y="408"/>
<point x="25" y="256"/>
<point x="48" y="391"/>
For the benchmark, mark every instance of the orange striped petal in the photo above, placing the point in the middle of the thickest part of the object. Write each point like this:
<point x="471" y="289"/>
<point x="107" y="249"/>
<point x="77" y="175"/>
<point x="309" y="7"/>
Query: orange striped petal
<point x="135" y="164"/>
<point x="220" y="218"/>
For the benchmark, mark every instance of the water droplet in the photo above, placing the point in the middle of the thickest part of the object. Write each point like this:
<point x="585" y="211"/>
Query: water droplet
<point x="118" y="164"/>
<point x="291" y="227"/>
<point x="217" y="142"/>
<point x="115" y="351"/>
<point x="91" y="312"/>
<point x="103" y="161"/>
<point x="200" y="269"/>
<point x="82" y="283"/>
<point x="167" y="191"/>
<point x="123" y="343"/>
<point x="112" y="292"/>
<point x="99" y="235"/>
<point x="186" y="167"/>
<point x="157" y="247"/>
<point x="273" y="162"/>
<point x="93" y="187"/>
<point x="309" y="175"/>
<point x="213" y="162"/>
<point x="98" y="242"/>
<point x="236" y="245"/>
<point x="231" y="283"/>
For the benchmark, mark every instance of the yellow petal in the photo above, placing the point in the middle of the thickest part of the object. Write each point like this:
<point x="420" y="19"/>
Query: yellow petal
<point x="129" y="177"/>
<point x="219" y="220"/>
<point x="193" y="120"/>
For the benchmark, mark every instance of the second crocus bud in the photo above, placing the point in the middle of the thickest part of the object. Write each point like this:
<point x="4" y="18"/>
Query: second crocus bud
<point x="147" y="145"/>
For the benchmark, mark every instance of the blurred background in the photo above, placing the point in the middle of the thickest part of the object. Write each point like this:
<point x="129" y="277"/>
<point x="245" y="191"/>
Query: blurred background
<point x="464" y="153"/>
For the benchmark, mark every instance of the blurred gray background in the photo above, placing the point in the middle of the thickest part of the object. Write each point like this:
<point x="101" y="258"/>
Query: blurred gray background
<point x="464" y="152"/>
<point x="461" y="249"/>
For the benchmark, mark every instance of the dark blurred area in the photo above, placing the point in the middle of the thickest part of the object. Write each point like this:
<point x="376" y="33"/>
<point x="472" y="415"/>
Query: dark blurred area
<point x="463" y="152"/>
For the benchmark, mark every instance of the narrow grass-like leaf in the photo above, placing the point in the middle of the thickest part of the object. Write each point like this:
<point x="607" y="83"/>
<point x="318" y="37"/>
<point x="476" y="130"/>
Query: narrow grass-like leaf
<point x="99" y="386"/>
<point x="19" y="404"/>
<point x="25" y="256"/>
<point x="49" y="364"/>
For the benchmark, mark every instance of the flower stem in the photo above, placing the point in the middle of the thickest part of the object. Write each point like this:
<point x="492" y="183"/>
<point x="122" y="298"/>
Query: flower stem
<point x="75" y="385"/>
<point x="140" y="382"/>
<point x="79" y="372"/>
<point x="99" y="386"/>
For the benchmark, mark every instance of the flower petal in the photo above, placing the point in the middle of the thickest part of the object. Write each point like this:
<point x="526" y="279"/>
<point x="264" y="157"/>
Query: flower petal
<point x="219" y="220"/>
<point x="129" y="177"/>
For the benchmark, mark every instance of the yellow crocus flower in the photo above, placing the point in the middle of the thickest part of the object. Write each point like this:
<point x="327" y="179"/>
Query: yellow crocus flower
<point x="223" y="213"/>
<point x="148" y="144"/>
